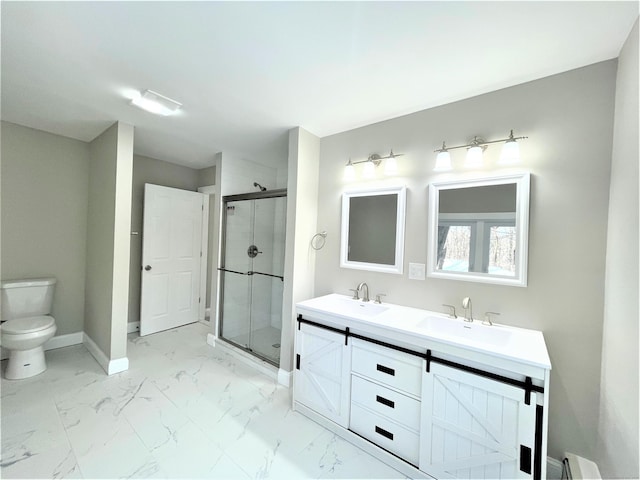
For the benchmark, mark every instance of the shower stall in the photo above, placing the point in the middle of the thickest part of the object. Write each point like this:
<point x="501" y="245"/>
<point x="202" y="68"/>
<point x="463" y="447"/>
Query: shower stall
<point x="252" y="272"/>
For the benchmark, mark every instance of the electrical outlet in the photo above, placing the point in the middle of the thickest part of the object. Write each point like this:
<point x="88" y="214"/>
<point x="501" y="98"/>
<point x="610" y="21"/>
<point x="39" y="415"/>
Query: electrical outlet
<point x="416" y="271"/>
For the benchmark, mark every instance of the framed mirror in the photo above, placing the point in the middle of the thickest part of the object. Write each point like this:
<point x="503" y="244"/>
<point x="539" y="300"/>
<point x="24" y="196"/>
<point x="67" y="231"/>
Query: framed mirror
<point x="372" y="233"/>
<point x="479" y="230"/>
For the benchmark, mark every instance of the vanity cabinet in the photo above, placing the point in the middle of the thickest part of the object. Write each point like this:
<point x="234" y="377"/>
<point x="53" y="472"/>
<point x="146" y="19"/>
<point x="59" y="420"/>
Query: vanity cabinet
<point x="426" y="406"/>
<point x="475" y="427"/>
<point x="385" y="398"/>
<point x="323" y="370"/>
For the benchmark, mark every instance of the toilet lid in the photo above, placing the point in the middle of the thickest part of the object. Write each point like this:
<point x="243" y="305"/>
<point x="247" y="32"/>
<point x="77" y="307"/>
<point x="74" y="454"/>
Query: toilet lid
<point x="27" y="324"/>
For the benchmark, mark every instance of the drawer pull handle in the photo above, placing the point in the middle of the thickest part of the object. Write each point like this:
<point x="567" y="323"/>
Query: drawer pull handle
<point x="385" y="401"/>
<point x="387" y="370"/>
<point x="384" y="433"/>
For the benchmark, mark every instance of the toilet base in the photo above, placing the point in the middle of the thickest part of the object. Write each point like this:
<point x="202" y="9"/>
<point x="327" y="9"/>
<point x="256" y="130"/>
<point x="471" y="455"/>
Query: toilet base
<point x="25" y="363"/>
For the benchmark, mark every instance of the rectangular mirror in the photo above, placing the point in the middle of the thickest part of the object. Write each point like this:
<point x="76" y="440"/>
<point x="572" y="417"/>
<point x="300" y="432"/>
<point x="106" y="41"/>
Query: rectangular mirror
<point x="373" y="229"/>
<point x="478" y="230"/>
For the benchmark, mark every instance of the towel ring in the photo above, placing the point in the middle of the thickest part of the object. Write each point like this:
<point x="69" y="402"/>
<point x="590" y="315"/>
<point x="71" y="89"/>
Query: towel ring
<point x="318" y="240"/>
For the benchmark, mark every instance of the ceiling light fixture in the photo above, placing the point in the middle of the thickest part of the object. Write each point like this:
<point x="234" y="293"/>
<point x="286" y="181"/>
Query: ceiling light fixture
<point x="510" y="152"/>
<point x="370" y="164"/>
<point x="155" y="103"/>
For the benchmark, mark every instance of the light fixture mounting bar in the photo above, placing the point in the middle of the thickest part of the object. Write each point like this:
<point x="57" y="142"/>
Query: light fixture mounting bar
<point x="376" y="159"/>
<point x="479" y="142"/>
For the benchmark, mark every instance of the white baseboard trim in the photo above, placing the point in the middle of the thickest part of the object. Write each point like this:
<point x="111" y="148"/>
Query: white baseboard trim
<point x="133" y="327"/>
<point x="284" y="377"/>
<point x="97" y="353"/>
<point x="109" y="366"/>
<point x="554" y="469"/>
<point x="59" y="341"/>
<point x="118" y="365"/>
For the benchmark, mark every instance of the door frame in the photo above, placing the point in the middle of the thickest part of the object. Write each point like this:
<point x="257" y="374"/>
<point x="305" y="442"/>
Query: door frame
<point x="208" y="190"/>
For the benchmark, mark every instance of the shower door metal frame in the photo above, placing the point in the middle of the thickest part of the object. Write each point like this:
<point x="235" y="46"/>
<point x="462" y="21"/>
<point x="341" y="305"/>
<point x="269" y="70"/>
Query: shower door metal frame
<point x="281" y="192"/>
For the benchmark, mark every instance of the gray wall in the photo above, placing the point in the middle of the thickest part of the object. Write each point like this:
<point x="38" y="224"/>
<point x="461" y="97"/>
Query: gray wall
<point x="158" y="172"/>
<point x="569" y="121"/>
<point x="109" y="216"/>
<point x="618" y="429"/>
<point x="300" y="258"/>
<point x="44" y="215"/>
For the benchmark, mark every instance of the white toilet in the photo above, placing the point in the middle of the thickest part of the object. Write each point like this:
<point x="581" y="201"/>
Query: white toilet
<point x="25" y="324"/>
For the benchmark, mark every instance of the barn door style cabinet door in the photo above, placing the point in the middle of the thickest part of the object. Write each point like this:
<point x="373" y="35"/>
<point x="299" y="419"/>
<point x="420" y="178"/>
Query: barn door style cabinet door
<point x="475" y="427"/>
<point x="323" y="371"/>
<point x="426" y="403"/>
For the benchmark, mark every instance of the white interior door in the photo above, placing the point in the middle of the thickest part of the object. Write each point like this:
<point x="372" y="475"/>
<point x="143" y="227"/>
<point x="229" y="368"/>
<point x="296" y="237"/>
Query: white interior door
<point x="171" y="258"/>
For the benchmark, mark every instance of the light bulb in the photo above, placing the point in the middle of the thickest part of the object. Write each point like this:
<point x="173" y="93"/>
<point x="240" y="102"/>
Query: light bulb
<point x="510" y="152"/>
<point x="369" y="170"/>
<point x="349" y="172"/>
<point x="443" y="162"/>
<point x="390" y="166"/>
<point x="474" y="157"/>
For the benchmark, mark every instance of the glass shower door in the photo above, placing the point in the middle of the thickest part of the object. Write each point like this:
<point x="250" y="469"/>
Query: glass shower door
<point x="252" y="274"/>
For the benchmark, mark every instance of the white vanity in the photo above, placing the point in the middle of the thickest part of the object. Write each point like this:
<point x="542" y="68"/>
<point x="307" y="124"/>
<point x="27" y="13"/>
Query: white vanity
<point x="428" y="394"/>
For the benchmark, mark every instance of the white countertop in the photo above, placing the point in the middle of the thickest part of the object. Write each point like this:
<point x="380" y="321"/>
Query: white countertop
<point x="513" y="343"/>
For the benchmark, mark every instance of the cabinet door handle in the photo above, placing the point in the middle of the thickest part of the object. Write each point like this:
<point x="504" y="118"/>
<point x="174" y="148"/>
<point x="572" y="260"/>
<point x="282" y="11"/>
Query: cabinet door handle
<point x="387" y="370"/>
<point x="385" y="401"/>
<point x="384" y="433"/>
<point x="525" y="459"/>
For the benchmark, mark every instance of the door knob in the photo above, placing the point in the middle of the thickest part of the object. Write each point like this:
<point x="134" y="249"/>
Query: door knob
<point x="147" y="267"/>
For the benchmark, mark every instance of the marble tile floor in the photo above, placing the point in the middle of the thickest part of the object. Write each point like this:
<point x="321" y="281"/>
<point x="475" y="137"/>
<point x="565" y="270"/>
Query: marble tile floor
<point x="182" y="410"/>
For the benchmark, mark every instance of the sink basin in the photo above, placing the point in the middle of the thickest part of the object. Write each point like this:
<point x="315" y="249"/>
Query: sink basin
<point x="347" y="306"/>
<point x="459" y="329"/>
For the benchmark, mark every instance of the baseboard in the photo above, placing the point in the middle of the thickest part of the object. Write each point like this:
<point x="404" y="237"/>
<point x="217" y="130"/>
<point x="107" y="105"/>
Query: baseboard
<point x="97" y="353"/>
<point x="133" y="327"/>
<point x="554" y="469"/>
<point x="118" y="365"/>
<point x="284" y="377"/>
<point x="109" y="366"/>
<point x="59" y="341"/>
<point x="211" y="339"/>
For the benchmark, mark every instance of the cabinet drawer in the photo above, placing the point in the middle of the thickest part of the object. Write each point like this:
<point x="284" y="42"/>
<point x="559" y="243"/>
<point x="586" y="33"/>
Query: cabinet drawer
<point x="390" y="367"/>
<point x="394" y="405"/>
<point x="385" y="433"/>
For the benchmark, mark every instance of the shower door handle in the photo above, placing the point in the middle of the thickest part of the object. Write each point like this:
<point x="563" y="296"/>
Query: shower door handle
<point x="252" y="251"/>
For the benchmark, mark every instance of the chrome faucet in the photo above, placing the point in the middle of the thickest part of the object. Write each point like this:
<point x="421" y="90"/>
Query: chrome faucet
<point x="365" y="293"/>
<point x="466" y="304"/>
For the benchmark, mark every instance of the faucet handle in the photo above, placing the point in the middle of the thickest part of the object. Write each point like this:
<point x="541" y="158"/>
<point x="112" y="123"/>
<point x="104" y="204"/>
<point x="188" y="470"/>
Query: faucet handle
<point x="487" y="318"/>
<point x="355" y="294"/>
<point x="378" y="300"/>
<point x="452" y="311"/>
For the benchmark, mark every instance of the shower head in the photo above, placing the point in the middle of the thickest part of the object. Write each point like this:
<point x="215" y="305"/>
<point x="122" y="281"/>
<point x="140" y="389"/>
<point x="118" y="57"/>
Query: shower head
<point x="262" y="189"/>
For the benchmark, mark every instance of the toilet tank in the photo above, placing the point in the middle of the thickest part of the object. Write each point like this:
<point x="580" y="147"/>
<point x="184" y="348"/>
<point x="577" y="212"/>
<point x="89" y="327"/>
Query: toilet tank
<point x="27" y="298"/>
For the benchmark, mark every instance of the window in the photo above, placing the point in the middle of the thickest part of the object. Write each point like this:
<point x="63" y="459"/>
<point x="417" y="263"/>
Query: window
<point x="477" y="243"/>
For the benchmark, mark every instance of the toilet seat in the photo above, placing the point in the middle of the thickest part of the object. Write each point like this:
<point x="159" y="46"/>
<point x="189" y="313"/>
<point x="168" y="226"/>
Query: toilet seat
<point x="19" y="326"/>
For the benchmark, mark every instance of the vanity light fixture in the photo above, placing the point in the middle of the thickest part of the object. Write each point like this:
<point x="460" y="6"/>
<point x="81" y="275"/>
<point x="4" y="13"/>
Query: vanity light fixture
<point x="155" y="103"/>
<point x="443" y="160"/>
<point x="370" y="164"/>
<point x="510" y="152"/>
<point x="474" y="153"/>
<point x="349" y="172"/>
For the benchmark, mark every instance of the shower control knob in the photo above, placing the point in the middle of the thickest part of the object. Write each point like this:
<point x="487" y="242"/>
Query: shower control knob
<point x="147" y="267"/>
<point x="253" y="251"/>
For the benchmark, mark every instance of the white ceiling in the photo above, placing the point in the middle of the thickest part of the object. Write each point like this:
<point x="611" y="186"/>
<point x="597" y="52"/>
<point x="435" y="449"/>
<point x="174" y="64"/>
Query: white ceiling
<point x="248" y="72"/>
